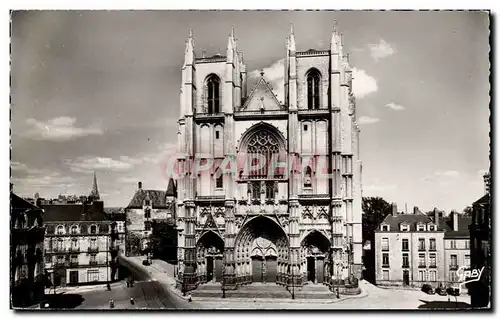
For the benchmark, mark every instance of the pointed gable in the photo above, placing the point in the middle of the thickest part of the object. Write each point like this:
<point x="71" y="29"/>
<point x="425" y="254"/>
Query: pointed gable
<point x="262" y="96"/>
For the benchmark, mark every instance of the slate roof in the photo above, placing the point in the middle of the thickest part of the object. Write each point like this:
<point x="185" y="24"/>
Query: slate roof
<point x="17" y="202"/>
<point x="483" y="200"/>
<point x="464" y="222"/>
<point x="172" y="188"/>
<point x="411" y="219"/>
<point x="73" y="212"/>
<point x="158" y="198"/>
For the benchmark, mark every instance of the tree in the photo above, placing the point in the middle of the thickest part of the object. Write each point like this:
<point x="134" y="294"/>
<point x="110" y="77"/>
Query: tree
<point x="133" y="244"/>
<point x="163" y="241"/>
<point x="468" y="211"/>
<point x="375" y="209"/>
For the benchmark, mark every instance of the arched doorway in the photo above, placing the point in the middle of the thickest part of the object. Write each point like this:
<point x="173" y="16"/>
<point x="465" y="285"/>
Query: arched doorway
<point x="261" y="250"/>
<point x="210" y="248"/>
<point x="314" y="251"/>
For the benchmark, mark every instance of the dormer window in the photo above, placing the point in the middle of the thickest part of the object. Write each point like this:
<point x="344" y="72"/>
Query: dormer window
<point x="147" y="202"/>
<point x="93" y="229"/>
<point x="420" y="227"/>
<point x="60" y="230"/>
<point x="405" y="227"/>
<point x="385" y="227"/>
<point x="431" y="227"/>
<point x="74" y="230"/>
<point x="147" y="213"/>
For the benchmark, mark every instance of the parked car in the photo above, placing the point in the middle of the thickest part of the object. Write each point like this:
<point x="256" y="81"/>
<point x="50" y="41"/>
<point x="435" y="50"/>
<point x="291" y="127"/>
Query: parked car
<point x="428" y="289"/>
<point x="441" y="291"/>
<point x="146" y="262"/>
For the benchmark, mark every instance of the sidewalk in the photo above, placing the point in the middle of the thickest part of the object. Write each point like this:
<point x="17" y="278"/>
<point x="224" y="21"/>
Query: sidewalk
<point x="83" y="288"/>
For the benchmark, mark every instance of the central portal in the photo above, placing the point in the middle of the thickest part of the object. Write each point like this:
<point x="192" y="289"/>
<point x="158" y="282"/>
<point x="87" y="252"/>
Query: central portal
<point x="261" y="251"/>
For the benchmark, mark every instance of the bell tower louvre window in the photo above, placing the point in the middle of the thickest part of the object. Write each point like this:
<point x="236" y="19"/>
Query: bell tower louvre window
<point x="313" y="82"/>
<point x="213" y="100"/>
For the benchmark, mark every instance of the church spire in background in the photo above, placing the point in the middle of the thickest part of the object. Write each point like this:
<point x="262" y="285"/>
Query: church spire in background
<point x="94" y="194"/>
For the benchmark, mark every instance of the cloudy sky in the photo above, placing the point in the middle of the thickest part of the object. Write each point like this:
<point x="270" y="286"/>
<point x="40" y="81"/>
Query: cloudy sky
<point x="99" y="91"/>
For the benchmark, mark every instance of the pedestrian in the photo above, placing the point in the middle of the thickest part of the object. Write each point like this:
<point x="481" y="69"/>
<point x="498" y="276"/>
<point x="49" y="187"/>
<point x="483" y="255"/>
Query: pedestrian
<point x="132" y="300"/>
<point x="111" y="303"/>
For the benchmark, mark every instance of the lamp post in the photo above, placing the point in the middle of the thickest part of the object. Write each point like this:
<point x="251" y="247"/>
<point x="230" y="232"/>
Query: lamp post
<point x="223" y="275"/>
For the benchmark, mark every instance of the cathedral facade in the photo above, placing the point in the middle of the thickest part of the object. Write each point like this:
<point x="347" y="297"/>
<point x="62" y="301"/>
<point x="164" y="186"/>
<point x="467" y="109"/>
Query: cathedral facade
<point x="268" y="190"/>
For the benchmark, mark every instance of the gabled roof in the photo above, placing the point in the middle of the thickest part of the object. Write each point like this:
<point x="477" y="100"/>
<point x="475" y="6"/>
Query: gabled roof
<point x="410" y="219"/>
<point x="158" y="198"/>
<point x="171" y="189"/>
<point x="483" y="200"/>
<point x="74" y="212"/>
<point x="269" y="98"/>
<point x="17" y="202"/>
<point x="464" y="222"/>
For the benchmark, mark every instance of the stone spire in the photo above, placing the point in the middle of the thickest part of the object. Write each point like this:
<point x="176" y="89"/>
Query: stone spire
<point x="189" y="55"/>
<point x="94" y="194"/>
<point x="291" y="40"/>
<point x="336" y="41"/>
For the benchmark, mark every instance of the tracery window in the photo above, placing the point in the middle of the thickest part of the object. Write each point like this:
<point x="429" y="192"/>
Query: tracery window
<point x="313" y="82"/>
<point x="213" y="100"/>
<point x="262" y="146"/>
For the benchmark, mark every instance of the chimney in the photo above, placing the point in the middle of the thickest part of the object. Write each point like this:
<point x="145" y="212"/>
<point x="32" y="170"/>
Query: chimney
<point x="139" y="185"/>
<point x="487" y="183"/>
<point x="416" y="210"/>
<point x="394" y="209"/>
<point x="454" y="219"/>
<point x="436" y="217"/>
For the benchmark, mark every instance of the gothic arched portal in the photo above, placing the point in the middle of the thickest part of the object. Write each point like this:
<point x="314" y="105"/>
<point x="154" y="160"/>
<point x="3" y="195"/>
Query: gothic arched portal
<point x="314" y="251"/>
<point x="210" y="248"/>
<point x="261" y="251"/>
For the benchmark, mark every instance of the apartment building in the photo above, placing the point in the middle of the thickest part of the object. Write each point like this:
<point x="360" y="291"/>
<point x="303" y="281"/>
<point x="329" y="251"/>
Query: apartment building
<point x="409" y="250"/>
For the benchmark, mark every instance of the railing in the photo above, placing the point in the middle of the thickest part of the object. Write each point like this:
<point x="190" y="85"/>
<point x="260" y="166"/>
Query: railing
<point x="93" y="263"/>
<point x="453" y="267"/>
<point x="73" y="264"/>
<point x="74" y="249"/>
<point x="93" y="249"/>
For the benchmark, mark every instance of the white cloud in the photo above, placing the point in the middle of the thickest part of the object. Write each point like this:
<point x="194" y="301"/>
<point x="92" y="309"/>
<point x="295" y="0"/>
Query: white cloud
<point x="59" y="129"/>
<point x="375" y="188"/>
<point x="381" y="50"/>
<point x="441" y="176"/>
<point x="394" y="106"/>
<point x="363" y="84"/>
<point x="367" y="120"/>
<point x="275" y="76"/>
<point x="89" y="164"/>
<point x="48" y="179"/>
<point x="447" y="173"/>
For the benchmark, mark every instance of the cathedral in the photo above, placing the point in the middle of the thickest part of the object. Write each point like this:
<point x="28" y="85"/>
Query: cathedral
<point x="268" y="190"/>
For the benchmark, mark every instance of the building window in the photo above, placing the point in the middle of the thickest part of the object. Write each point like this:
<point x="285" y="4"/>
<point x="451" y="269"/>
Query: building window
<point x="93" y="259"/>
<point x="219" y="181"/>
<point x="420" y="227"/>
<point x="432" y="275"/>
<point x="92" y="275"/>
<point x="313" y="82"/>
<point x="93" y="229"/>
<point x="421" y="275"/>
<point x="147" y="202"/>
<point x="93" y="243"/>
<point x="385" y="227"/>
<point x="213" y="94"/>
<point x="307" y="178"/>
<point x="453" y="262"/>
<point x="453" y="244"/>
<point x="432" y="227"/>
<point x="60" y="260"/>
<point x="406" y="260"/>
<point x="263" y="147"/>
<point x="74" y="230"/>
<point x="60" y="230"/>
<point x="74" y="259"/>
<point x="385" y="244"/>
<point x="467" y="261"/>
<point x="432" y="260"/>
<point x="48" y="259"/>
<point x="421" y="244"/>
<point x="74" y="243"/>
<point x="385" y="274"/>
<point x="147" y="226"/>
<point x="405" y="227"/>
<point x="405" y="245"/>
<point x="385" y="260"/>
<point x="305" y="127"/>
<point x="147" y="213"/>
<point x="432" y="244"/>
<point x="453" y="276"/>
<point x="255" y="190"/>
<point x="270" y="190"/>
<point x="421" y="260"/>
<point x="216" y="135"/>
